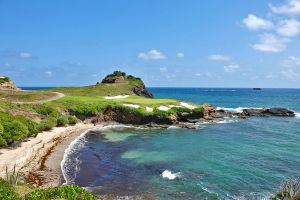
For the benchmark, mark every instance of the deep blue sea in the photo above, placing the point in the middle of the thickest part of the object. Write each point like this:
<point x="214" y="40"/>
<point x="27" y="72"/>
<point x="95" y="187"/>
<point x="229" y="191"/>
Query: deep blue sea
<point x="236" y="159"/>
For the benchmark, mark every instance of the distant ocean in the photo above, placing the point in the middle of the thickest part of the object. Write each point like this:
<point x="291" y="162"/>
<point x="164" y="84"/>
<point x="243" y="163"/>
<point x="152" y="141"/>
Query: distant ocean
<point x="235" y="159"/>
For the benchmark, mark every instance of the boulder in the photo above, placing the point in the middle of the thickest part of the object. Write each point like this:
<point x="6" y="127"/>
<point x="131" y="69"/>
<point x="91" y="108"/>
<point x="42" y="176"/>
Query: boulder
<point x="268" y="112"/>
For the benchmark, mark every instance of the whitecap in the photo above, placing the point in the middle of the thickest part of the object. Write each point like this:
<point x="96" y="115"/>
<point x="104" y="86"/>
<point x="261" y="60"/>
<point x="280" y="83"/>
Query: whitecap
<point x="236" y="110"/>
<point x="170" y="175"/>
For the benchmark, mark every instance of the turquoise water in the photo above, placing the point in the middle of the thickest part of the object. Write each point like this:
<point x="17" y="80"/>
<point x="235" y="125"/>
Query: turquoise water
<point x="244" y="159"/>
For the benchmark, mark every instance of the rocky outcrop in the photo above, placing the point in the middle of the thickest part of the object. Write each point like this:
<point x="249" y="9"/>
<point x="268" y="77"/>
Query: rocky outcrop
<point x="7" y="84"/>
<point x="138" y="86"/>
<point x="180" y="119"/>
<point x="141" y="90"/>
<point x="268" y="112"/>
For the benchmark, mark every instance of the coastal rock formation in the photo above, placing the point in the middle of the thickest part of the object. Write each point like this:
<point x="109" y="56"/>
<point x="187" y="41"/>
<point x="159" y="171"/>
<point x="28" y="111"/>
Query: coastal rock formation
<point x="141" y="90"/>
<point x="6" y="83"/>
<point x="138" y="86"/>
<point x="268" y="112"/>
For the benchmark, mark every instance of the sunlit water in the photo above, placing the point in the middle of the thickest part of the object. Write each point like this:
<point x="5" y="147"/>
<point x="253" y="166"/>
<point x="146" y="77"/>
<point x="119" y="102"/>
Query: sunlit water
<point x="240" y="159"/>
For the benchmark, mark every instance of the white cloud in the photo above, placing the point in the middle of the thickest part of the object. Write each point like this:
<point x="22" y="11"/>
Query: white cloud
<point x="198" y="74"/>
<point x="271" y="43"/>
<point x="49" y="73"/>
<point x="291" y="74"/>
<point x="288" y="28"/>
<point x="25" y="55"/>
<point x="163" y="69"/>
<point x="291" y="61"/>
<point x="219" y="57"/>
<point x="269" y="76"/>
<point x="291" y="7"/>
<point x="152" y="55"/>
<point x="254" y="23"/>
<point x="231" y="68"/>
<point x="180" y="55"/>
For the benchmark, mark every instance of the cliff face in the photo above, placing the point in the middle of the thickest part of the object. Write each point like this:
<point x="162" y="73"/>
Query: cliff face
<point x="6" y="83"/>
<point x="138" y="86"/>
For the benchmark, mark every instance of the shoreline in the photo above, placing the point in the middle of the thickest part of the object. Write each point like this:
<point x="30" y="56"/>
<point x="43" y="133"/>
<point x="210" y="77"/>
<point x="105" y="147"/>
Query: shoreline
<point x="38" y="159"/>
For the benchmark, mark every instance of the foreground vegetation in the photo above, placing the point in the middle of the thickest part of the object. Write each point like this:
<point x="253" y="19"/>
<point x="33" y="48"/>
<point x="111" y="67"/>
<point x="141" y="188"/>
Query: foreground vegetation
<point x="25" y="192"/>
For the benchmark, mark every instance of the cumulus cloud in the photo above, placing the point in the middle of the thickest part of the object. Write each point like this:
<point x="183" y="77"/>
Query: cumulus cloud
<point x="49" y="73"/>
<point x="219" y="57"/>
<point x="152" y="55"/>
<point x="254" y="23"/>
<point x="291" y="61"/>
<point x="180" y="55"/>
<point x="163" y="69"/>
<point x="16" y="54"/>
<point x="25" y="55"/>
<point x="231" y="68"/>
<point x="271" y="43"/>
<point x="288" y="28"/>
<point x="291" y="7"/>
<point x="291" y="74"/>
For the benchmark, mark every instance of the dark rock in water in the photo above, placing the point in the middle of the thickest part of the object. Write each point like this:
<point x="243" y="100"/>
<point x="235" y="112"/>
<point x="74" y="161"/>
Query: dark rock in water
<point x="268" y="112"/>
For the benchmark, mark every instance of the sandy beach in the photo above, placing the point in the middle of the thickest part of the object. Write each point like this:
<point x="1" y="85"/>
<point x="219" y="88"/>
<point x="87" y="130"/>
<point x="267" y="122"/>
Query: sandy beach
<point x="38" y="159"/>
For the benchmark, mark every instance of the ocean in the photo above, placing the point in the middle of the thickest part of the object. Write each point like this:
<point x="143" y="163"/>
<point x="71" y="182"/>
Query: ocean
<point x="234" y="159"/>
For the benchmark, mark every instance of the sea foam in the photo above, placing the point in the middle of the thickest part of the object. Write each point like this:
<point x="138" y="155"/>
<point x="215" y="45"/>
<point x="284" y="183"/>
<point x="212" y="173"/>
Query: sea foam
<point x="297" y="115"/>
<point x="170" y="175"/>
<point x="236" y="110"/>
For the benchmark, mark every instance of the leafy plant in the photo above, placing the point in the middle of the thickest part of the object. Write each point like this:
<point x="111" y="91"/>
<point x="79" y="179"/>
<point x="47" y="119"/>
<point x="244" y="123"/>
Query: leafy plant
<point x="7" y="192"/>
<point x="73" y="192"/>
<point x="62" y="121"/>
<point x="12" y="178"/>
<point x="72" y="120"/>
<point x="47" y="124"/>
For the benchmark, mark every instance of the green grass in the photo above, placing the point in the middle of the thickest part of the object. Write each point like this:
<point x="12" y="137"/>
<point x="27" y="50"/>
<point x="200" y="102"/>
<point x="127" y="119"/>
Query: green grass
<point x="25" y="192"/>
<point x="98" y="90"/>
<point x="25" y="96"/>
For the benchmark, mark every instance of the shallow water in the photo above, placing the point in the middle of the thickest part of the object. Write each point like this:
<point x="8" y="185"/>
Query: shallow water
<point x="240" y="159"/>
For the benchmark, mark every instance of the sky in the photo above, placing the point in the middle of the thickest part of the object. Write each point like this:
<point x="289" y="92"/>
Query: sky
<point x="168" y="43"/>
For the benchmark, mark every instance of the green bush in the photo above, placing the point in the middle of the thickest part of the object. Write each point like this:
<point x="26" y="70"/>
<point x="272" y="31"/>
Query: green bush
<point x="66" y="192"/>
<point x="47" y="124"/>
<point x="2" y="142"/>
<point x="7" y="192"/>
<point x="4" y="80"/>
<point x="178" y="110"/>
<point x="15" y="130"/>
<point x="1" y="129"/>
<point x="62" y="121"/>
<point x="47" y="111"/>
<point x="198" y="110"/>
<point x="72" y="120"/>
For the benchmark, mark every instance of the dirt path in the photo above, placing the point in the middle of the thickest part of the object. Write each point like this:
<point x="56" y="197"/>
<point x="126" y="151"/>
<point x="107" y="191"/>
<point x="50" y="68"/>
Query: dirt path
<point x="58" y="95"/>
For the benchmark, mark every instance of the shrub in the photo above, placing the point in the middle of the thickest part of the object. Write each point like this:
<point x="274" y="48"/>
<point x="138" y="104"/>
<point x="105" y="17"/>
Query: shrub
<point x="4" y="79"/>
<point x="62" y="121"/>
<point x="198" y="110"/>
<point x="47" y="111"/>
<point x="1" y="129"/>
<point x="15" y="130"/>
<point x="179" y="110"/>
<point x="64" y="192"/>
<point x="73" y="120"/>
<point x="2" y="142"/>
<point x="47" y="124"/>
<point x="7" y="192"/>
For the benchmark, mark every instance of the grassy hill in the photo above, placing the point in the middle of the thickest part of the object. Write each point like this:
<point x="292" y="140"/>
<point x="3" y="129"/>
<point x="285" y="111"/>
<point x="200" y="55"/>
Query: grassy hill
<point x="24" y="114"/>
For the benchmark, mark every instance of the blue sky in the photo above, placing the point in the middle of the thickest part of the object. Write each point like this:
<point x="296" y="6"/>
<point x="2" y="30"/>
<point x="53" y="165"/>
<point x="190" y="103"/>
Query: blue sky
<point x="168" y="43"/>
